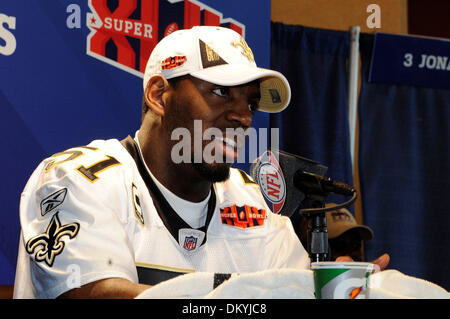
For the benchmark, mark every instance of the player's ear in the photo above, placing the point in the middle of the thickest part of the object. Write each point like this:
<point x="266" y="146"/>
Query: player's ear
<point x="153" y="94"/>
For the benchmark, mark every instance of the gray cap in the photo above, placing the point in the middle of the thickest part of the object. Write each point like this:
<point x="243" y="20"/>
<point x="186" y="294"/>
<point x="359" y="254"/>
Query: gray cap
<point x="340" y="221"/>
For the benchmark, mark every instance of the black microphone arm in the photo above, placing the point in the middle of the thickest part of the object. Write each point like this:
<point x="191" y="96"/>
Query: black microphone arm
<point x="313" y="183"/>
<point x="316" y="189"/>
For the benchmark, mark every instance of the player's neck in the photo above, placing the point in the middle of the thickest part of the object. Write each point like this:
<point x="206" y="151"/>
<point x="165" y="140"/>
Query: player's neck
<point x="181" y="179"/>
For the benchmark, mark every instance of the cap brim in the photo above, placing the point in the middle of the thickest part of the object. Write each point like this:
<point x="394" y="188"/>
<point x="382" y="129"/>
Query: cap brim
<point x="275" y="89"/>
<point x="365" y="233"/>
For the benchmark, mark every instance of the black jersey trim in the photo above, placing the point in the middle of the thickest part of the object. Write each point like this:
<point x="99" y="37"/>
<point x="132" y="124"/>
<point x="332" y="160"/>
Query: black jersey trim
<point x="219" y="278"/>
<point x="170" y="218"/>
<point x="154" y="274"/>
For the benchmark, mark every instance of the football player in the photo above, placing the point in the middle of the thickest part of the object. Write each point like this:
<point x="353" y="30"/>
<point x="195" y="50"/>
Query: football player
<point x="113" y="218"/>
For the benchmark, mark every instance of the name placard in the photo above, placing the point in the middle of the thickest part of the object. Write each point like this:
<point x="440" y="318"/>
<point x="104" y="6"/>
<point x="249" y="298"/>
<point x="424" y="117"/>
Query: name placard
<point x="410" y="60"/>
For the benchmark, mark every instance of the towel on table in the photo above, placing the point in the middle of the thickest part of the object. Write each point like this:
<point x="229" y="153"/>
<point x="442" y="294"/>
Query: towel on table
<point x="192" y="286"/>
<point x="393" y="284"/>
<point x="268" y="284"/>
<point x="285" y="284"/>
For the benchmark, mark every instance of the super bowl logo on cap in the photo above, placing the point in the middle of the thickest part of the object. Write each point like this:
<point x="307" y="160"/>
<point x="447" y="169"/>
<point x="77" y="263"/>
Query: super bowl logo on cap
<point x="271" y="181"/>
<point x="172" y="62"/>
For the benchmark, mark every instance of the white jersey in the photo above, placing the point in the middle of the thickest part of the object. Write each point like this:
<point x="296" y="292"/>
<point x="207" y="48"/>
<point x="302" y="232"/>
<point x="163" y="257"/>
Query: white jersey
<point x="94" y="212"/>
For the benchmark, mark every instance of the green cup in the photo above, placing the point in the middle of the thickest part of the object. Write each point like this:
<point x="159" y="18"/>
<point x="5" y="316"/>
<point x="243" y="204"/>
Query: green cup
<point x="341" y="280"/>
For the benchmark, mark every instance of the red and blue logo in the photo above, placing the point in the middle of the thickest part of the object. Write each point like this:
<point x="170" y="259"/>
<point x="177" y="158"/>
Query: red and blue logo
<point x="124" y="32"/>
<point x="190" y="243"/>
<point x="271" y="181"/>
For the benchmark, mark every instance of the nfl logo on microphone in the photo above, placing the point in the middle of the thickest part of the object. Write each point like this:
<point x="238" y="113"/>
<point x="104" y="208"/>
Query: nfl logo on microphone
<point x="190" y="242"/>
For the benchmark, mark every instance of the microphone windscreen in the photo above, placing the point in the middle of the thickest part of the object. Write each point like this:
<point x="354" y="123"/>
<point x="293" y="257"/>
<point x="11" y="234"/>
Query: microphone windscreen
<point x="274" y="172"/>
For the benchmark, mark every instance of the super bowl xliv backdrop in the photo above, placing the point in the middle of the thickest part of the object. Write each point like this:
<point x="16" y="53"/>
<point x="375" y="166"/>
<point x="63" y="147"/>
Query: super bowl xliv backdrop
<point x="71" y="72"/>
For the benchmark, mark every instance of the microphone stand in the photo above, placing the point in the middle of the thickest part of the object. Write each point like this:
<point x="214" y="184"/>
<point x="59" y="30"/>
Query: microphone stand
<point x="317" y="233"/>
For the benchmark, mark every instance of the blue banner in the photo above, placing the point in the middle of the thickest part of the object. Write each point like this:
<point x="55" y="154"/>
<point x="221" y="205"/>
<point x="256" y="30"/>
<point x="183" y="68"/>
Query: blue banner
<point x="71" y="72"/>
<point x="409" y="60"/>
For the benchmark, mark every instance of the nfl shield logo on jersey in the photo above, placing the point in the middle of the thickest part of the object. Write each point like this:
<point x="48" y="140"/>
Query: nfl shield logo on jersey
<point x="190" y="239"/>
<point x="190" y="242"/>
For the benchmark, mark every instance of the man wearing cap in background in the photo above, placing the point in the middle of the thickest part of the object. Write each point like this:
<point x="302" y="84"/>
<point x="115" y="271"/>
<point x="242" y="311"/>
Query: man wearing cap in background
<point x="113" y="218"/>
<point x="345" y="235"/>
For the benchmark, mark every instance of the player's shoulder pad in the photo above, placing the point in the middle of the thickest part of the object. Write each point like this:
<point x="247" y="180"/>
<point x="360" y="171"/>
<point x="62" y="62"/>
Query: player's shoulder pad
<point x="84" y="161"/>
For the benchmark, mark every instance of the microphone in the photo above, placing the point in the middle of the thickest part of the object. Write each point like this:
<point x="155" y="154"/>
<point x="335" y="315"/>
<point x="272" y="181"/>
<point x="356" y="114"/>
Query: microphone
<point x="274" y="171"/>
<point x="316" y="184"/>
<point x="286" y="180"/>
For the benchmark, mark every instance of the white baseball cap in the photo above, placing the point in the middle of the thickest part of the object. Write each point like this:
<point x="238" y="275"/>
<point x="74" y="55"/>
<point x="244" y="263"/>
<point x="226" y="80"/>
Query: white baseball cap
<point x="217" y="55"/>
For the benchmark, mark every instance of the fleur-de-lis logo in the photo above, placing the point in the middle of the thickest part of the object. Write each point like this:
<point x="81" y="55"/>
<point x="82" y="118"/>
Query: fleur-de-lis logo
<point x="246" y="51"/>
<point x="50" y="243"/>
